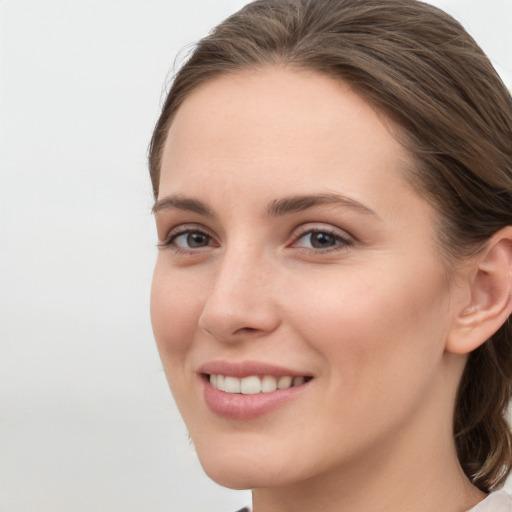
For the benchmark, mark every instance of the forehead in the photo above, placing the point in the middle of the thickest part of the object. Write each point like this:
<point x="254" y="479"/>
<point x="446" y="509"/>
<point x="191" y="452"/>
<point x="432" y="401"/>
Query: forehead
<point x="280" y="125"/>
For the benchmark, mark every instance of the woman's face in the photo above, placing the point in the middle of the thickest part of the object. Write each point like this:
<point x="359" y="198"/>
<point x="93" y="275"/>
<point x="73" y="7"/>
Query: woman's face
<point x="294" y="252"/>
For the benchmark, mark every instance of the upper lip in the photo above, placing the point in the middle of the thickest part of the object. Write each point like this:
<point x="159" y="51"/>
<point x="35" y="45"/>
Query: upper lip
<point x="243" y="369"/>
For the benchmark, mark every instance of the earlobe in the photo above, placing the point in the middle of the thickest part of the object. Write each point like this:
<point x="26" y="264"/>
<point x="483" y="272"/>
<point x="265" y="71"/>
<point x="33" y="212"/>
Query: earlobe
<point x="491" y="296"/>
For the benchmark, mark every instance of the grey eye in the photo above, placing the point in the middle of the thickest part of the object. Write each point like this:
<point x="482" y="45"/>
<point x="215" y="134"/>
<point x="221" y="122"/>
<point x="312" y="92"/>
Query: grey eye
<point x="319" y="240"/>
<point x="191" y="240"/>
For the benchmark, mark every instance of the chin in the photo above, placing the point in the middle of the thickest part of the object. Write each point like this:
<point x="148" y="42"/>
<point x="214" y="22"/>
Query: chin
<point x="232" y="480"/>
<point x="241" y="480"/>
<point x="235" y="472"/>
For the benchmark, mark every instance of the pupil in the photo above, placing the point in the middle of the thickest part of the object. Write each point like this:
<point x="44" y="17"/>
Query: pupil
<point x="322" y="240"/>
<point x="196" y="240"/>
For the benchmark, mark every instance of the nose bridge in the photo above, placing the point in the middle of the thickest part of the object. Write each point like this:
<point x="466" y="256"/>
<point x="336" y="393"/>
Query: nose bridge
<point x="240" y="298"/>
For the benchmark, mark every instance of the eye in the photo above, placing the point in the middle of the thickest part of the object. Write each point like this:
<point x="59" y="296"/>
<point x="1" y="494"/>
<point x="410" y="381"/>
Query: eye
<point x="321" y="239"/>
<point x="188" y="239"/>
<point x="191" y="240"/>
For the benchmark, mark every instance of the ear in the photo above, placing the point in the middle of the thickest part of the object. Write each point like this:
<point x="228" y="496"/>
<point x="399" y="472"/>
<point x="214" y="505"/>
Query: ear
<point x="490" y="301"/>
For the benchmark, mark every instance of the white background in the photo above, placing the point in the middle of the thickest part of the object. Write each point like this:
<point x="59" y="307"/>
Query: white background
<point x="87" y="423"/>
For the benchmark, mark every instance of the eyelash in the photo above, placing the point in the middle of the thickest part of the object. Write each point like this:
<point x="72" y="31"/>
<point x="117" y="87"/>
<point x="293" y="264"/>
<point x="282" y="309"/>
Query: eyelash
<point x="168" y="243"/>
<point x="342" y="243"/>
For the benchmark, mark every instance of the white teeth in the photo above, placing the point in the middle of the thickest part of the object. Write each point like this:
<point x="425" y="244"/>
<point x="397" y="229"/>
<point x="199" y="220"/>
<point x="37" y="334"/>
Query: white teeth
<point x="250" y="385"/>
<point x="284" y="382"/>
<point x="253" y="385"/>
<point x="231" y="385"/>
<point x="268" y="384"/>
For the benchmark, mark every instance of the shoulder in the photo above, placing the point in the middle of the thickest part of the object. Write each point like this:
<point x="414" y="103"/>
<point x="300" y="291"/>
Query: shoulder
<point x="498" y="501"/>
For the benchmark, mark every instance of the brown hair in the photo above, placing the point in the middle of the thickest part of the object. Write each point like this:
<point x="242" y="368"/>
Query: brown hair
<point x="419" y="67"/>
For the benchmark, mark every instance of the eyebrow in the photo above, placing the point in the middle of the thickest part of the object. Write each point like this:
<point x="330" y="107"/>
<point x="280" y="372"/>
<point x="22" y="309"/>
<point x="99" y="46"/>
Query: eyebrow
<point x="303" y="202"/>
<point x="275" y="208"/>
<point x="178" y="202"/>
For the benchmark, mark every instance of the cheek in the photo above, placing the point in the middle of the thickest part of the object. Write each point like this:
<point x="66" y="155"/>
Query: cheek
<point x="174" y="313"/>
<point x="381" y="343"/>
<point x="372" y="327"/>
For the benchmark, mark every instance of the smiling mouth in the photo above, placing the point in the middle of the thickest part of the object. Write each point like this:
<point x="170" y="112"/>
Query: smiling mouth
<point x="254" y="384"/>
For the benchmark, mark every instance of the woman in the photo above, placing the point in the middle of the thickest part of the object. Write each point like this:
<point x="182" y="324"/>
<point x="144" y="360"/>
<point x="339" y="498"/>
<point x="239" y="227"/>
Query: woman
<point x="333" y="182"/>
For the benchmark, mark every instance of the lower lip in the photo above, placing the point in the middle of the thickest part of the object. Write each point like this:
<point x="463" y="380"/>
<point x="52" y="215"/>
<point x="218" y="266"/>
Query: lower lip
<point x="235" y="406"/>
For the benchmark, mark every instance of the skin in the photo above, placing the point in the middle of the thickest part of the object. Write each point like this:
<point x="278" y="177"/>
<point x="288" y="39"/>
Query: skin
<point x="368" y="316"/>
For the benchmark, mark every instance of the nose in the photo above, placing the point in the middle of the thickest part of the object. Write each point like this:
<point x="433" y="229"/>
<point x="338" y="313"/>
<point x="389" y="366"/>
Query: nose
<point x="240" y="302"/>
